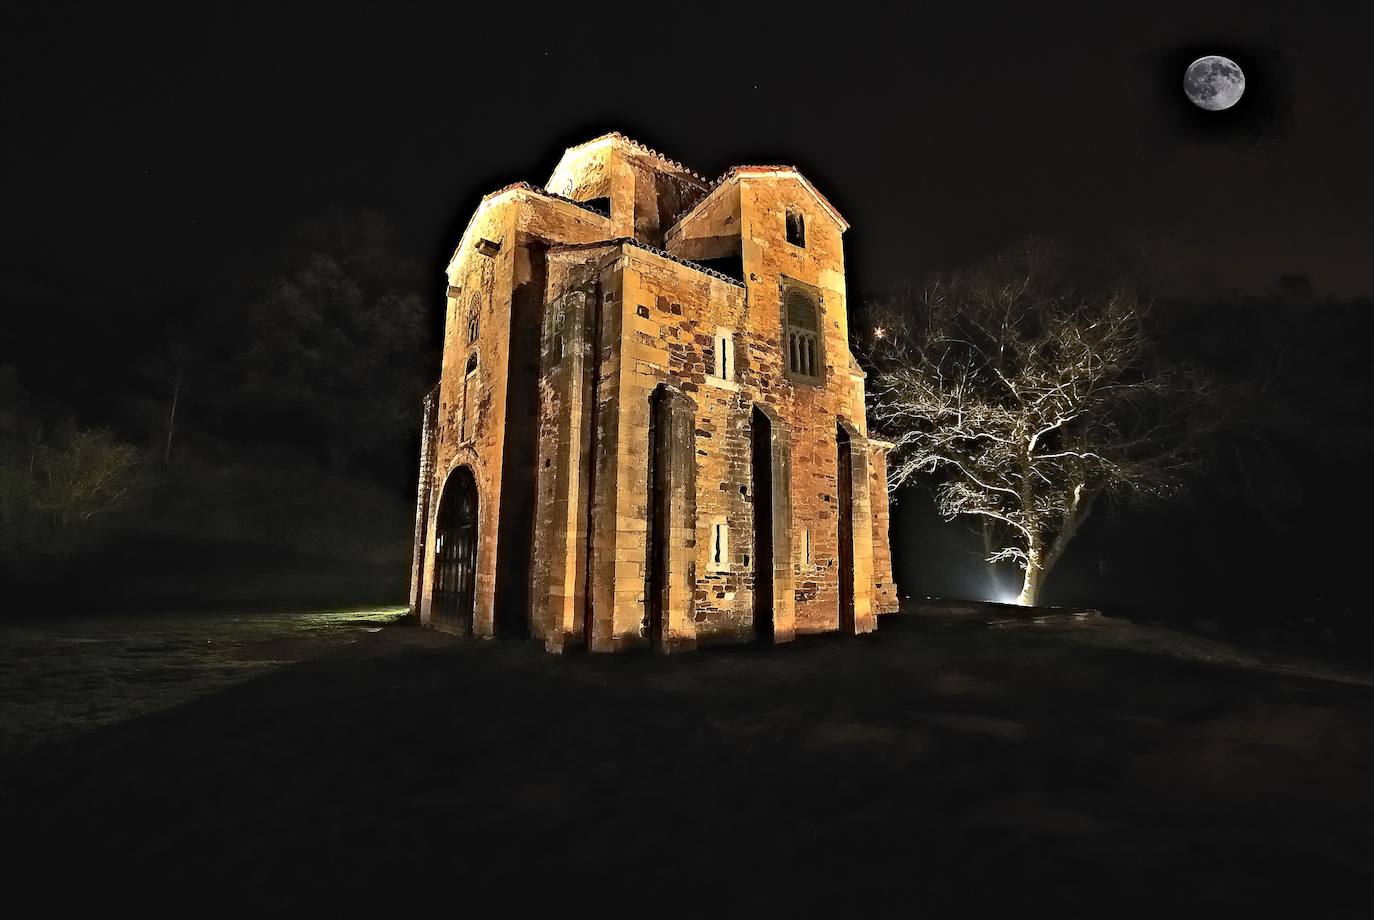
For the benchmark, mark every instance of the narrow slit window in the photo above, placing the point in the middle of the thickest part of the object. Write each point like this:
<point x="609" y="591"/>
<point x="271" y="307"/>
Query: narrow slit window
<point x="720" y="545"/>
<point x="806" y="546"/>
<point x="725" y="355"/>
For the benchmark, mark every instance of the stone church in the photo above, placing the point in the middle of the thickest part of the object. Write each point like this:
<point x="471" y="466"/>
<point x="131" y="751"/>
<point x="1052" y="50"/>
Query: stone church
<point x="649" y="429"/>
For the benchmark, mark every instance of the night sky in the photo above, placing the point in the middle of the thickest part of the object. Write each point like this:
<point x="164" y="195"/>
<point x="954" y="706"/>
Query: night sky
<point x="146" y="151"/>
<point x="157" y="162"/>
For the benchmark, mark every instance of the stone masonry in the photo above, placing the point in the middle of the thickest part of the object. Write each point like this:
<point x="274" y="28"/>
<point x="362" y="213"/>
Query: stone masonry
<point x="649" y="429"/>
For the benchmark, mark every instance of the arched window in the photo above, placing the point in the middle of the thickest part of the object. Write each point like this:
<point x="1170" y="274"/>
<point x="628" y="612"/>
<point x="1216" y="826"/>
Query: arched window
<point x="802" y="340"/>
<point x="469" y="426"/>
<point x="474" y="308"/>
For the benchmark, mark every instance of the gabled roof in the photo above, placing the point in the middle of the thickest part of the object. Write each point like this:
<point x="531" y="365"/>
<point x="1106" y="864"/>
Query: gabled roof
<point x="734" y="173"/>
<point x="661" y="253"/>
<point x="644" y="149"/>
<point x="730" y="176"/>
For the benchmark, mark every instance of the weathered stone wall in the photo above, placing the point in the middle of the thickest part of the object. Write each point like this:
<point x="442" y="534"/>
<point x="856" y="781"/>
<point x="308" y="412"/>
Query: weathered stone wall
<point x="568" y="401"/>
<point x="429" y="422"/>
<point x="669" y="314"/>
<point x="576" y="329"/>
<point x="479" y="289"/>
<point x="647" y="192"/>
<point x="500" y="255"/>
<point x="657" y="327"/>
<point x="812" y="412"/>
<point x="885" y="599"/>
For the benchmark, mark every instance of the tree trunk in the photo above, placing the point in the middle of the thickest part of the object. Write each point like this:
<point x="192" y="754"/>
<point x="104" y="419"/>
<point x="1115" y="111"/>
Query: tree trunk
<point x="1079" y="509"/>
<point x="990" y="547"/>
<point x="1035" y="574"/>
<point x="1035" y="542"/>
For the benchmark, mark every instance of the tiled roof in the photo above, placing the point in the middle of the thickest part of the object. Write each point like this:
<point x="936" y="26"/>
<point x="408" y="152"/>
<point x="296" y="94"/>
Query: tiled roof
<point x="734" y="171"/>
<point x="527" y="187"/>
<point x="644" y="149"/>
<point x="672" y="258"/>
<point x="631" y="241"/>
<point x="729" y="174"/>
<point x="530" y="187"/>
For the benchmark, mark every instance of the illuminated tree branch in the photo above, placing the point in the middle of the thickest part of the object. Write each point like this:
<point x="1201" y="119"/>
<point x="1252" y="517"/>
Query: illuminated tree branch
<point x="1023" y="399"/>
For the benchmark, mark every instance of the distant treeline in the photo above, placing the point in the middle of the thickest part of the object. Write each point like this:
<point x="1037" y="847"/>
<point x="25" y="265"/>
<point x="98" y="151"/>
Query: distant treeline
<point x="210" y="454"/>
<point x="258" y="446"/>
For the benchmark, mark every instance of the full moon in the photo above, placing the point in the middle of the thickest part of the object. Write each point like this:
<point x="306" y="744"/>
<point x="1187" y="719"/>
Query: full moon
<point x="1214" y="83"/>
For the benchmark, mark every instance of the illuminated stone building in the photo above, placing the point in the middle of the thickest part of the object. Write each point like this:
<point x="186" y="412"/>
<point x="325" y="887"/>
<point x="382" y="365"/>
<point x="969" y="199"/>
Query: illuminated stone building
<point x="649" y="429"/>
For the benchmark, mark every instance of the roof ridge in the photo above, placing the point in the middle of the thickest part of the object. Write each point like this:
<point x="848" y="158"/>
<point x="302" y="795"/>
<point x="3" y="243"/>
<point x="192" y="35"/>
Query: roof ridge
<point x="527" y="186"/>
<point x="581" y="204"/>
<point x="734" y="170"/>
<point x="642" y="148"/>
<point x="687" y="262"/>
<point x="662" y="253"/>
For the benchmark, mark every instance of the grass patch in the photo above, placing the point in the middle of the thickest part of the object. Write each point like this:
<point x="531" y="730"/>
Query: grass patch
<point x="63" y="676"/>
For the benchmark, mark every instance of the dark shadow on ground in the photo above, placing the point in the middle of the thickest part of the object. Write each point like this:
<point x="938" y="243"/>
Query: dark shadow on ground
<point x="936" y="768"/>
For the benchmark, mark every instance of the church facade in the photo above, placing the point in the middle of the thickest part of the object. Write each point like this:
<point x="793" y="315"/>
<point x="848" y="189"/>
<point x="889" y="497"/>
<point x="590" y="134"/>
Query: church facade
<point x="649" y="429"/>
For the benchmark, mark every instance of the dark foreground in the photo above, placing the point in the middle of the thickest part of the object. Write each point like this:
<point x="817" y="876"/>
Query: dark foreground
<point x="938" y="768"/>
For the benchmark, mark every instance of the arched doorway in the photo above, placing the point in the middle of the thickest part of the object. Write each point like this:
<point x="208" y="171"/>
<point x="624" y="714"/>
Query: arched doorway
<point x="455" y="552"/>
<point x="761" y="450"/>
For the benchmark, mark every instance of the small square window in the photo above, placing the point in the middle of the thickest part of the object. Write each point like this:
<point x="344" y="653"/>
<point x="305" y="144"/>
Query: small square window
<point x="796" y="228"/>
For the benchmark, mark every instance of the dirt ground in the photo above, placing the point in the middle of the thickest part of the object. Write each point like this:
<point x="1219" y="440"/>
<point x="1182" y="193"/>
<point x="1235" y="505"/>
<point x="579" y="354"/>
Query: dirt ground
<point x="940" y="767"/>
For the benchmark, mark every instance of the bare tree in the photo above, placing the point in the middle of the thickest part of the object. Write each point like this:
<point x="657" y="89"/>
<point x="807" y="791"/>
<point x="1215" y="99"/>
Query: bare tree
<point x="1026" y="398"/>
